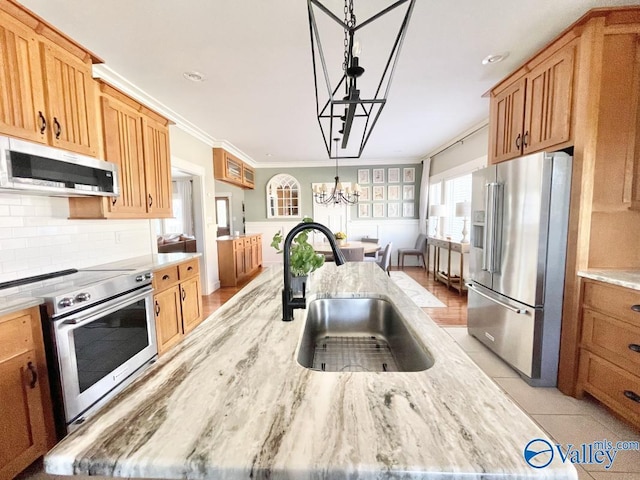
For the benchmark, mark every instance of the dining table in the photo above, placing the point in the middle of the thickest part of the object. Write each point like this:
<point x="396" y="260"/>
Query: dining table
<point x="325" y="247"/>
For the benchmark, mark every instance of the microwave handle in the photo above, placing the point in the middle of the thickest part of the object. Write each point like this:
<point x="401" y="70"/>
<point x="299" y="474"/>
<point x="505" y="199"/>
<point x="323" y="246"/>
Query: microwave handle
<point x="109" y="307"/>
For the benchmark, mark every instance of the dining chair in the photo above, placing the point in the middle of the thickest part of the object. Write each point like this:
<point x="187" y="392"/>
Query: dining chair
<point x="371" y="240"/>
<point x="385" y="260"/>
<point x="353" y="254"/>
<point x="417" y="251"/>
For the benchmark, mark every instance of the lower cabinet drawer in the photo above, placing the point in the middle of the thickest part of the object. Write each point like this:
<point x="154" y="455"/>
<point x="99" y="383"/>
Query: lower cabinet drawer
<point x="619" y="302"/>
<point x="612" y="385"/>
<point x="165" y="278"/>
<point x="189" y="269"/>
<point x="612" y="339"/>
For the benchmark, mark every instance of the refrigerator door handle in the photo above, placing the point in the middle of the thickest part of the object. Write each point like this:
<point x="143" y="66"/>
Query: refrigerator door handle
<point x="496" y="227"/>
<point x="520" y="311"/>
<point x="487" y="250"/>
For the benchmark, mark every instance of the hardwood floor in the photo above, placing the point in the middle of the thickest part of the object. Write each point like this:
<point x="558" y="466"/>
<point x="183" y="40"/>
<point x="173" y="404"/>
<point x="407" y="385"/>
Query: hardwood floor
<point x="455" y="313"/>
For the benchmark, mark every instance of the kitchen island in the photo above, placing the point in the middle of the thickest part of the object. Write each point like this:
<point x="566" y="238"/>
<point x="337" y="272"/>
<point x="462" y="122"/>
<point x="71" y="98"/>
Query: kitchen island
<point x="231" y="401"/>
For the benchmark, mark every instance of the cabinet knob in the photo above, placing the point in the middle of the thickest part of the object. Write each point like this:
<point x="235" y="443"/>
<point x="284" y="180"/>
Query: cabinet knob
<point x="518" y="141"/>
<point x="634" y="347"/>
<point x="525" y="139"/>
<point x="635" y="308"/>
<point x="34" y="375"/>
<point x="150" y="200"/>
<point x="184" y="294"/>
<point x="165" y="277"/>
<point x="157" y="309"/>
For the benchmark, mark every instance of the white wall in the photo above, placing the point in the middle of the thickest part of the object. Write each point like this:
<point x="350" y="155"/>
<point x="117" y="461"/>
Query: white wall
<point x="37" y="237"/>
<point x="185" y="150"/>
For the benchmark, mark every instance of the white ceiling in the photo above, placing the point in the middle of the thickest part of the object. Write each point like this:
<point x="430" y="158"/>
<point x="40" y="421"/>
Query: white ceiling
<point x="258" y="94"/>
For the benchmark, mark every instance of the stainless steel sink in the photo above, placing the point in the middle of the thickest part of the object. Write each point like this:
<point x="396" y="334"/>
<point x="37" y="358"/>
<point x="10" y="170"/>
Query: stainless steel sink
<point x="359" y="335"/>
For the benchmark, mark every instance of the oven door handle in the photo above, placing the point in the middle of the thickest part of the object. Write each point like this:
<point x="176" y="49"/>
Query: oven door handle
<point x="108" y="308"/>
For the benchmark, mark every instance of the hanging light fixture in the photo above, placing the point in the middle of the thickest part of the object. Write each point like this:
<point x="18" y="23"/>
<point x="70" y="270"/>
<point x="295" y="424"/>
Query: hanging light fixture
<point x="345" y="111"/>
<point x="338" y="195"/>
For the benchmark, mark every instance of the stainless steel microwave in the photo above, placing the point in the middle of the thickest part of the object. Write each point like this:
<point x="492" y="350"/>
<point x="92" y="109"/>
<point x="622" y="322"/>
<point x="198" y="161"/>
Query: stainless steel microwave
<point x="39" y="169"/>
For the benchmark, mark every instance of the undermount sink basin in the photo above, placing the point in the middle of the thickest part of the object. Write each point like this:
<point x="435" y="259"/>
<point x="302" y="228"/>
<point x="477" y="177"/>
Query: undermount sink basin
<point x="359" y="335"/>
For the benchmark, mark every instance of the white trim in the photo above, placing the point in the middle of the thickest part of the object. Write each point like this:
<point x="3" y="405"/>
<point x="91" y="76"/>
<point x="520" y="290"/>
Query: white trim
<point x="465" y="168"/>
<point x="346" y="162"/>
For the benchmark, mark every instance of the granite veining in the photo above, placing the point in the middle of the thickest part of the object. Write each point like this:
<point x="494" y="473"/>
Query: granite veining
<point x="231" y="402"/>
<point x="622" y="278"/>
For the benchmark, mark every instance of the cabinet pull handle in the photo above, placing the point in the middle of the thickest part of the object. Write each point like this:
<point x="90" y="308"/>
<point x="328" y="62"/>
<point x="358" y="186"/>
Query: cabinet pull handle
<point x="631" y="395"/>
<point x="525" y="139"/>
<point x="635" y="308"/>
<point x="150" y="200"/>
<point x="157" y="309"/>
<point x="518" y="141"/>
<point x="634" y="347"/>
<point x="113" y="202"/>
<point x="43" y="122"/>
<point x="34" y="375"/>
<point x="189" y="268"/>
<point x="184" y="294"/>
<point x="165" y="277"/>
<point x="58" y="127"/>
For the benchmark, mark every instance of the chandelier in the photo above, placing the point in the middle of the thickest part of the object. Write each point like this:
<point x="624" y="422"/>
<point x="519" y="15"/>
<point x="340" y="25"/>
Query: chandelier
<point x="343" y="108"/>
<point x="338" y="195"/>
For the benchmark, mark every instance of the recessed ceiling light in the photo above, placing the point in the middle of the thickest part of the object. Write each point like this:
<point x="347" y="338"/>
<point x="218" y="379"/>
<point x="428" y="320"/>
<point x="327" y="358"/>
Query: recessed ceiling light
<point x="495" y="58"/>
<point x="269" y="154"/>
<point x="194" y="76"/>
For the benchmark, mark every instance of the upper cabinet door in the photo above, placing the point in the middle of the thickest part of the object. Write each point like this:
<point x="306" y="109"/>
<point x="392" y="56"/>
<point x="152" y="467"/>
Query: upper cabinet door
<point x="549" y="99"/>
<point x="157" y="168"/>
<point x="123" y="145"/>
<point x="507" y="117"/>
<point x="22" y="110"/>
<point x="70" y="100"/>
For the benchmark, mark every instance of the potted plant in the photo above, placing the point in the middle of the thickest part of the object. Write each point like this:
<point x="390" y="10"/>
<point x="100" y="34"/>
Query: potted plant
<point x="303" y="259"/>
<point x="341" y="238"/>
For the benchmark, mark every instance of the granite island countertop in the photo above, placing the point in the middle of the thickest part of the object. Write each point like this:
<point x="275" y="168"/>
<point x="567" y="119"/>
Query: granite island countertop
<point x="232" y="402"/>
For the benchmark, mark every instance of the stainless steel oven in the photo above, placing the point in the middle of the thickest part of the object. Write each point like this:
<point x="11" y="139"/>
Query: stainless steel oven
<point x="98" y="348"/>
<point x="99" y="333"/>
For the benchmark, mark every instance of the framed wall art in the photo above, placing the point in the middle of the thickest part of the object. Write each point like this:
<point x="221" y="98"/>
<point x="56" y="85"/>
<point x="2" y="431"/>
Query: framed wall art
<point x="408" y="192"/>
<point x="378" y="210"/>
<point x="364" y="210"/>
<point x="394" y="175"/>
<point x="363" y="176"/>
<point x="393" y="210"/>
<point x="407" y="210"/>
<point x="378" y="175"/>
<point x="393" y="192"/>
<point x="365" y="194"/>
<point x="378" y="193"/>
<point x="409" y="175"/>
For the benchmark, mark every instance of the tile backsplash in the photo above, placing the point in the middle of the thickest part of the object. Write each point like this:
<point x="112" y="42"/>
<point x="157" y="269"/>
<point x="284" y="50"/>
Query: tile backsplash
<point x="37" y="237"/>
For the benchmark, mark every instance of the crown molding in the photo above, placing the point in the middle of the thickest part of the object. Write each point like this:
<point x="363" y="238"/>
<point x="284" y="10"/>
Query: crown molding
<point x="114" y="78"/>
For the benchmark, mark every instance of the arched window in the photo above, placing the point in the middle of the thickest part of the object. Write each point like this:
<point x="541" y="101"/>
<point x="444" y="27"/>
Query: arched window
<point x="283" y="196"/>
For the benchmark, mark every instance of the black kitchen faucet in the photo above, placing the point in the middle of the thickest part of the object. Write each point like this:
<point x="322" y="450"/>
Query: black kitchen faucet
<point x="289" y="303"/>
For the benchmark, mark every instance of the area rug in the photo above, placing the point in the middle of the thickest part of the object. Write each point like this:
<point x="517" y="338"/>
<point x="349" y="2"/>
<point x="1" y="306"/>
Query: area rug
<point x="420" y="296"/>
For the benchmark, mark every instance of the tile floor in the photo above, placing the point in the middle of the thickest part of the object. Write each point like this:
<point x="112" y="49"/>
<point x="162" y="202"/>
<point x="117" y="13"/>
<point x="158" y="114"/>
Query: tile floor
<point x="566" y="419"/>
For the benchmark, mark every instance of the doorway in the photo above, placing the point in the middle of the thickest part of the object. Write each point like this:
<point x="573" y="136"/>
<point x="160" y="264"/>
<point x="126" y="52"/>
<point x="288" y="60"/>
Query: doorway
<point x="223" y="216"/>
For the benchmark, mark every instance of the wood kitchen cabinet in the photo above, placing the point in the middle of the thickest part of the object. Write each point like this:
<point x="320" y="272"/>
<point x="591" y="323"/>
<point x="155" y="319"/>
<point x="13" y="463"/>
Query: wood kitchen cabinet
<point x="230" y="169"/>
<point x="46" y="85"/>
<point x="238" y="258"/>
<point x="609" y="367"/>
<point x="533" y="112"/>
<point x="137" y="140"/>
<point x="177" y="302"/>
<point x="27" y="420"/>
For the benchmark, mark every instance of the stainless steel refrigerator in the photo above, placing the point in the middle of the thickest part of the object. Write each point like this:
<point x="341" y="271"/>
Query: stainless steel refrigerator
<point x="519" y="218"/>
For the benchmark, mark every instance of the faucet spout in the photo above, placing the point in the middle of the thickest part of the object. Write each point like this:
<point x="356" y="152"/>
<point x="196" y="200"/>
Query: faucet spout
<point x="288" y="302"/>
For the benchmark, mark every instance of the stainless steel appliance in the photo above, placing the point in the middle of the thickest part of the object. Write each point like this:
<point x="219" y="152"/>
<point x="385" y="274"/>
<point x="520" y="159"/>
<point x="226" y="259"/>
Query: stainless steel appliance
<point x="99" y="333"/>
<point x="40" y="169"/>
<point x="519" y="216"/>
